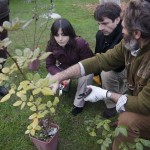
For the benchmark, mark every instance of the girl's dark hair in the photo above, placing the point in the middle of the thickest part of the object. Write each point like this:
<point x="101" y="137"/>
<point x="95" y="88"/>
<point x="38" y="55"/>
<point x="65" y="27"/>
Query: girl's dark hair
<point x="67" y="30"/>
<point x="110" y="10"/>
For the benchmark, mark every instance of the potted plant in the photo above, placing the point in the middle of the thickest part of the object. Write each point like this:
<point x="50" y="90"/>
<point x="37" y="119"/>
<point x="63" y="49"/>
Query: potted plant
<point x="30" y="89"/>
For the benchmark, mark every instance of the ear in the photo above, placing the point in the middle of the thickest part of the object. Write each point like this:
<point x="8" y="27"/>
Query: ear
<point x="117" y="20"/>
<point x="137" y="34"/>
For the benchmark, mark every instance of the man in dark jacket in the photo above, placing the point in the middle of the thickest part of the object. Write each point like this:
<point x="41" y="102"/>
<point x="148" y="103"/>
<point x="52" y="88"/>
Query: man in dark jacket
<point x="107" y="15"/>
<point x="4" y="16"/>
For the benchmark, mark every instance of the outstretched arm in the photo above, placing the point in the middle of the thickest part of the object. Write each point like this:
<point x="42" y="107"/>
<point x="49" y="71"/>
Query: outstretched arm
<point x="70" y="73"/>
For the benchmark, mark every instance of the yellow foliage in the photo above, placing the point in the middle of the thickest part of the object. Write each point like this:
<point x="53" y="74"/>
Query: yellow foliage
<point x="11" y="91"/>
<point x="52" y="109"/>
<point x="33" y="116"/>
<point x="5" y="98"/>
<point x="56" y="101"/>
<point x="5" y="70"/>
<point x="40" y="115"/>
<point x="41" y="106"/>
<point x="36" y="91"/>
<point x="23" y="105"/>
<point x="33" y="108"/>
<point x="35" y="122"/>
<point x="47" y="91"/>
<point x="17" y="103"/>
<point x="32" y="132"/>
<point x="27" y="132"/>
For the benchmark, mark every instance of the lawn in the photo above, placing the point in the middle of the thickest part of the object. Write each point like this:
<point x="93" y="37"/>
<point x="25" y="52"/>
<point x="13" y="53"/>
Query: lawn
<point x="72" y="134"/>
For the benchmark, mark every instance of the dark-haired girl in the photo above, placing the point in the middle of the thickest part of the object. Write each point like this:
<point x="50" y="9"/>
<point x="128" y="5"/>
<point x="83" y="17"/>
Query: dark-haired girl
<point x="68" y="49"/>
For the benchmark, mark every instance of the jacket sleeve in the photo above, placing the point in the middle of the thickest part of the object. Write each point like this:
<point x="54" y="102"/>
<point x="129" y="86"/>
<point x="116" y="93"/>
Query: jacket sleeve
<point x="84" y="49"/>
<point x="51" y="62"/>
<point x="141" y="102"/>
<point x="110" y="60"/>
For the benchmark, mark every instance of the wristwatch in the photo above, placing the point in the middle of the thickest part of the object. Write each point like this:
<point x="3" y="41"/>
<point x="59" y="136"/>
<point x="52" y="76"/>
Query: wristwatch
<point x="108" y="95"/>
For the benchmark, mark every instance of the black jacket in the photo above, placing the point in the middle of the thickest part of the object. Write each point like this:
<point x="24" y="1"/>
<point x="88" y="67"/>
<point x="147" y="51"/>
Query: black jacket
<point x="104" y="43"/>
<point x="4" y="8"/>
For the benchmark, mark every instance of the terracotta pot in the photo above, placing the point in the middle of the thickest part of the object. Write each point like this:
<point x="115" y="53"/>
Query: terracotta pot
<point x="42" y="145"/>
<point x="34" y="65"/>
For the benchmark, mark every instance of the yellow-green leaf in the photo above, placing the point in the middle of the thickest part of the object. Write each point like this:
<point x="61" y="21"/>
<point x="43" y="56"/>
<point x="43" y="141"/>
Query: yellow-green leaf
<point x="27" y="132"/>
<point x="45" y="82"/>
<point x="56" y="101"/>
<point x="7" y="25"/>
<point x="45" y="112"/>
<point x="15" y="24"/>
<point x="33" y="108"/>
<point x="18" y="52"/>
<point x="6" y="42"/>
<point x="20" y="94"/>
<point x="3" y="77"/>
<point x="46" y="91"/>
<point x="36" y="78"/>
<point x="29" y="127"/>
<point x="24" y="98"/>
<point x="49" y="104"/>
<point x="40" y="115"/>
<point x="31" y="98"/>
<point x="36" y="91"/>
<point x="5" y="98"/>
<point x="27" y="52"/>
<point x="44" y="56"/>
<point x="38" y="101"/>
<point x="36" y="53"/>
<point x="5" y="70"/>
<point x="17" y="103"/>
<point x="29" y="104"/>
<point x="23" y="105"/>
<point x="92" y="133"/>
<point x="52" y="110"/>
<point x="33" y="116"/>
<point x="42" y="107"/>
<point x="32" y="132"/>
<point x="25" y="82"/>
<point x="37" y="127"/>
<point x="11" y="91"/>
<point x="35" y="122"/>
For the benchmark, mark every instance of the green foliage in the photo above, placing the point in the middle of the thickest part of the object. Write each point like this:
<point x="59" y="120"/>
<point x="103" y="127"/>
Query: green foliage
<point x="100" y="128"/>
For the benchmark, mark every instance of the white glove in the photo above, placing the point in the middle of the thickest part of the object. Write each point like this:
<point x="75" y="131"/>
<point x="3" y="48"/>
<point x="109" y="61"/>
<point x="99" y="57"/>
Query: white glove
<point x="96" y="94"/>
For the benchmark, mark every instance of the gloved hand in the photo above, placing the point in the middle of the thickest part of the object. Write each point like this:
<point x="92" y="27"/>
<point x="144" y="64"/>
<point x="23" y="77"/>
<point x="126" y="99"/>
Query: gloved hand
<point x="96" y="94"/>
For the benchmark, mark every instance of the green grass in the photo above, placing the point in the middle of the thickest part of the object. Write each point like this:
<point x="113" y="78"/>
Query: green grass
<point x="13" y="122"/>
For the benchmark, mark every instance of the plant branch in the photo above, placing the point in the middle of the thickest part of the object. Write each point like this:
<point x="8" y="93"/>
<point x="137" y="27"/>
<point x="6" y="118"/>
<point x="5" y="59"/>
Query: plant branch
<point x="42" y="32"/>
<point x="16" y="64"/>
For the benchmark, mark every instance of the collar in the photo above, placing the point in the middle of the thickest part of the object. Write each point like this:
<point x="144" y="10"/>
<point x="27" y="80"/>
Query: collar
<point x="115" y="32"/>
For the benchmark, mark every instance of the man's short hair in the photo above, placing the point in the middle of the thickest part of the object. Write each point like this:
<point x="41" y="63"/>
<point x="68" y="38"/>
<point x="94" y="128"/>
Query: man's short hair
<point x="110" y="10"/>
<point x="137" y="17"/>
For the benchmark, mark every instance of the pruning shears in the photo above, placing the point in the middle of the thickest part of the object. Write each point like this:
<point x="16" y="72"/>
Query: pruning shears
<point x="61" y="87"/>
<point x="85" y="94"/>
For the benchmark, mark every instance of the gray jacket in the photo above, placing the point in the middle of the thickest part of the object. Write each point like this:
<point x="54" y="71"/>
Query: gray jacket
<point x="4" y="8"/>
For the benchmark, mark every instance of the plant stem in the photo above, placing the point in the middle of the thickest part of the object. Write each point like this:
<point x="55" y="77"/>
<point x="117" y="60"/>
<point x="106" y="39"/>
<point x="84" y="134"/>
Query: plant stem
<point x="16" y="64"/>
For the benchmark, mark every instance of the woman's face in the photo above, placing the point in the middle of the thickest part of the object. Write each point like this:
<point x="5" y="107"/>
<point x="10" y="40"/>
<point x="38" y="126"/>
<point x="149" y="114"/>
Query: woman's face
<point x="61" y="39"/>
